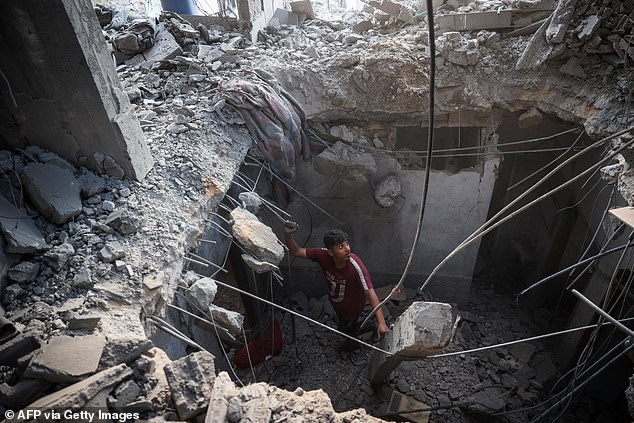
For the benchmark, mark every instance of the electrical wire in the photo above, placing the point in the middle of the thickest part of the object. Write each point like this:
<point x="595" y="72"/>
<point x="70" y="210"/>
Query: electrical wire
<point x="430" y="147"/>
<point x="488" y="226"/>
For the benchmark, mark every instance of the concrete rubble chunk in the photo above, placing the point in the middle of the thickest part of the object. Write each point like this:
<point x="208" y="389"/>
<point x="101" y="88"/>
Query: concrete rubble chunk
<point x="561" y="17"/>
<point x="67" y="359"/>
<point x="112" y="251"/>
<point x="191" y="380"/>
<point x="256" y="237"/>
<point x="85" y="322"/>
<point x="362" y="26"/>
<point x="202" y="292"/>
<point x="250" y="201"/>
<point x="24" y="272"/>
<point x="20" y="232"/>
<point x="256" y="411"/>
<point x="530" y="118"/>
<point x="587" y="27"/>
<point x="57" y="257"/>
<point x="52" y="158"/>
<point x="122" y="222"/>
<point x="123" y="350"/>
<point x="387" y="191"/>
<point x="11" y="293"/>
<point x="90" y="184"/>
<point x="341" y="159"/>
<point x="153" y="280"/>
<point x="257" y="265"/>
<point x="165" y="47"/>
<point x="53" y="190"/>
<point x="222" y="391"/>
<point x="77" y="395"/>
<point x="17" y="347"/>
<point x="230" y="320"/>
<point x="127" y="392"/>
<point x="425" y="328"/>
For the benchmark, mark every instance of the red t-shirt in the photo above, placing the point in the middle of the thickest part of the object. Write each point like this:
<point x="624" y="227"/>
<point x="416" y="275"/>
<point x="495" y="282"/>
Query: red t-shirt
<point x="347" y="286"/>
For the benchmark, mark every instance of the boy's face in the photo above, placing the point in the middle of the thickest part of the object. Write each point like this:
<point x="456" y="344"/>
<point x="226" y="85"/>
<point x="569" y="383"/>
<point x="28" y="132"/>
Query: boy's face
<point x="340" y="252"/>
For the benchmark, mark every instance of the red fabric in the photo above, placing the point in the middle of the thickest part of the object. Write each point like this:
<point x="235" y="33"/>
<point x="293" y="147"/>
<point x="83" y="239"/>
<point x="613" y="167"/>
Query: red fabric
<point x="260" y="348"/>
<point x="347" y="286"/>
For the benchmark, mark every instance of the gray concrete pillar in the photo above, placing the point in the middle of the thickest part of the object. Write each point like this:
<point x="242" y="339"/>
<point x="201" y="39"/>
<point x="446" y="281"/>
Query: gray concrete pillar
<point x="425" y="328"/>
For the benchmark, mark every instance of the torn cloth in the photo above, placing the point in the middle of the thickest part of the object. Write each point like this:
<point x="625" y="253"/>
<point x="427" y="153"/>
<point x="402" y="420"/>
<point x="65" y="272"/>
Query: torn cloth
<point x="276" y="123"/>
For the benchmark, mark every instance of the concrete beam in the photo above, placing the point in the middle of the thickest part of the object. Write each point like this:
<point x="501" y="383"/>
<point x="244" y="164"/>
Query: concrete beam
<point x="425" y="328"/>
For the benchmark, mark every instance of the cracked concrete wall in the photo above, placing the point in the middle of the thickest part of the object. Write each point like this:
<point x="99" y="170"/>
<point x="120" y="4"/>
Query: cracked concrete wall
<point x="64" y="93"/>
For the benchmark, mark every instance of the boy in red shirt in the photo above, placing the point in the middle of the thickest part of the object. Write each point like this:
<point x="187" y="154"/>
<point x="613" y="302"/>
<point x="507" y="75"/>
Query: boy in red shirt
<point x="347" y="279"/>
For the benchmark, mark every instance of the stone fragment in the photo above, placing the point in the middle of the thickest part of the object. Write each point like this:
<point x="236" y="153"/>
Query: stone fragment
<point x="107" y="206"/>
<point x="387" y="191"/>
<point x="17" y="347"/>
<point x="223" y="389"/>
<point x="112" y="168"/>
<point x="165" y="47"/>
<point x="256" y="411"/>
<point x="573" y="68"/>
<point x="530" y="118"/>
<point x="77" y="395"/>
<point x="122" y="222"/>
<point x="123" y="350"/>
<point x="202" y="292"/>
<point x="191" y="380"/>
<point x="67" y="359"/>
<point x="351" y="39"/>
<point x="11" y="293"/>
<point x="257" y="265"/>
<point x="230" y="320"/>
<point x="127" y="391"/>
<point x="250" y="201"/>
<point x="153" y="280"/>
<point x="20" y="232"/>
<point x="52" y="158"/>
<point x="561" y="17"/>
<point x="57" y="257"/>
<point x="587" y="27"/>
<point x="342" y="160"/>
<point x="256" y="237"/>
<point x="83" y="278"/>
<point x="24" y="272"/>
<point x="53" y="190"/>
<point x="362" y="26"/>
<point x="86" y="322"/>
<point x="425" y="328"/>
<point x="112" y="251"/>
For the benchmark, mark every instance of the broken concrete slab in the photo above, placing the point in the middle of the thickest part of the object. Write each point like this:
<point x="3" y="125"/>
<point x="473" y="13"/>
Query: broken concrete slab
<point x="342" y="160"/>
<point x="362" y="26"/>
<point x="256" y="237"/>
<point x="112" y="251"/>
<point x="303" y="6"/>
<point x="202" y="292"/>
<point x="165" y="47"/>
<point x="223" y="389"/>
<point x="230" y="320"/>
<point x="560" y="19"/>
<point x="537" y="50"/>
<point x="85" y="322"/>
<point x="53" y="190"/>
<point x="57" y="257"/>
<point x="256" y="265"/>
<point x="19" y="230"/>
<point x="475" y="21"/>
<point x="90" y="184"/>
<point x="24" y="272"/>
<point x="67" y="359"/>
<point x="153" y="280"/>
<point x="123" y="350"/>
<point x="387" y="191"/>
<point x="17" y="347"/>
<point x="77" y="395"/>
<point x="530" y="118"/>
<point x="122" y="222"/>
<point x="425" y="328"/>
<point x="191" y="380"/>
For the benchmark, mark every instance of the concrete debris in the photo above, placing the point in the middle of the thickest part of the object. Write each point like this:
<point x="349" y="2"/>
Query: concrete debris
<point x="165" y="47"/>
<point x="124" y="349"/>
<point x="250" y="201"/>
<point x="19" y="230"/>
<point x="57" y="257"/>
<point x="24" y="392"/>
<point x="202" y="292"/>
<point x="257" y="238"/>
<point x="67" y="359"/>
<point x="560" y="21"/>
<point x="53" y="190"/>
<point x="18" y="347"/>
<point x="191" y="380"/>
<point x="24" y="272"/>
<point x="11" y="293"/>
<point x="452" y="48"/>
<point x="352" y="166"/>
<point x="112" y="251"/>
<point x="573" y="68"/>
<point x="122" y="222"/>
<point x="531" y="117"/>
<point x="230" y="320"/>
<point x="84" y="322"/>
<point x="257" y="265"/>
<point x="125" y="393"/>
<point x="387" y="191"/>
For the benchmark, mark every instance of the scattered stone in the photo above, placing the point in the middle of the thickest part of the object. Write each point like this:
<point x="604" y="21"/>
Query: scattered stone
<point x="122" y="222"/>
<point x="24" y="272"/>
<point x="67" y="359"/>
<point x="573" y="68"/>
<point x="86" y="322"/>
<point x="107" y="206"/>
<point x="53" y="190"/>
<point x="24" y="392"/>
<point x="57" y="257"/>
<point x="83" y="278"/>
<point x="19" y="230"/>
<point x="112" y="251"/>
<point x="11" y="293"/>
<point x="522" y="352"/>
<point x="387" y="191"/>
<point x="250" y="201"/>
<point x="202" y="292"/>
<point x="230" y="320"/>
<point x="257" y="265"/>
<point x="256" y="237"/>
<point x="191" y="380"/>
<point x="223" y="389"/>
<point x="362" y="26"/>
<point x="123" y="350"/>
<point x="90" y="184"/>
<point x="127" y="392"/>
<point x="153" y="281"/>
<point x="17" y="347"/>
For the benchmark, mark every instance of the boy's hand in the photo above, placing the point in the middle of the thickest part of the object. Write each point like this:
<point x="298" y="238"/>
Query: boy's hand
<point x="381" y="329"/>
<point x="290" y="227"/>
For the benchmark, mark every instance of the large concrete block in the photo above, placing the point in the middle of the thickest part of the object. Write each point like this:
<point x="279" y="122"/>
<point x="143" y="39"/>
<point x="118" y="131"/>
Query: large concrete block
<point x="425" y="328"/>
<point x="256" y="237"/>
<point x="191" y="380"/>
<point x="19" y="230"/>
<point x="344" y="161"/>
<point x="53" y="190"/>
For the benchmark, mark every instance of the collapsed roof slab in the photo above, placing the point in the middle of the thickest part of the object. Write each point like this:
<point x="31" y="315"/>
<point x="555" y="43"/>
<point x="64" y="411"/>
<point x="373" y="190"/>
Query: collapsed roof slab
<point x="60" y="87"/>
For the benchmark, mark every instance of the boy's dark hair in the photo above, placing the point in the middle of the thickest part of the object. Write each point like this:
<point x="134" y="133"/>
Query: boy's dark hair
<point x="335" y="237"/>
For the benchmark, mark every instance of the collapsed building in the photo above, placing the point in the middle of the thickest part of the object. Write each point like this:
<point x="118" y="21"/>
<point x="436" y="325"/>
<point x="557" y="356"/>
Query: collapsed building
<point x="149" y="165"/>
